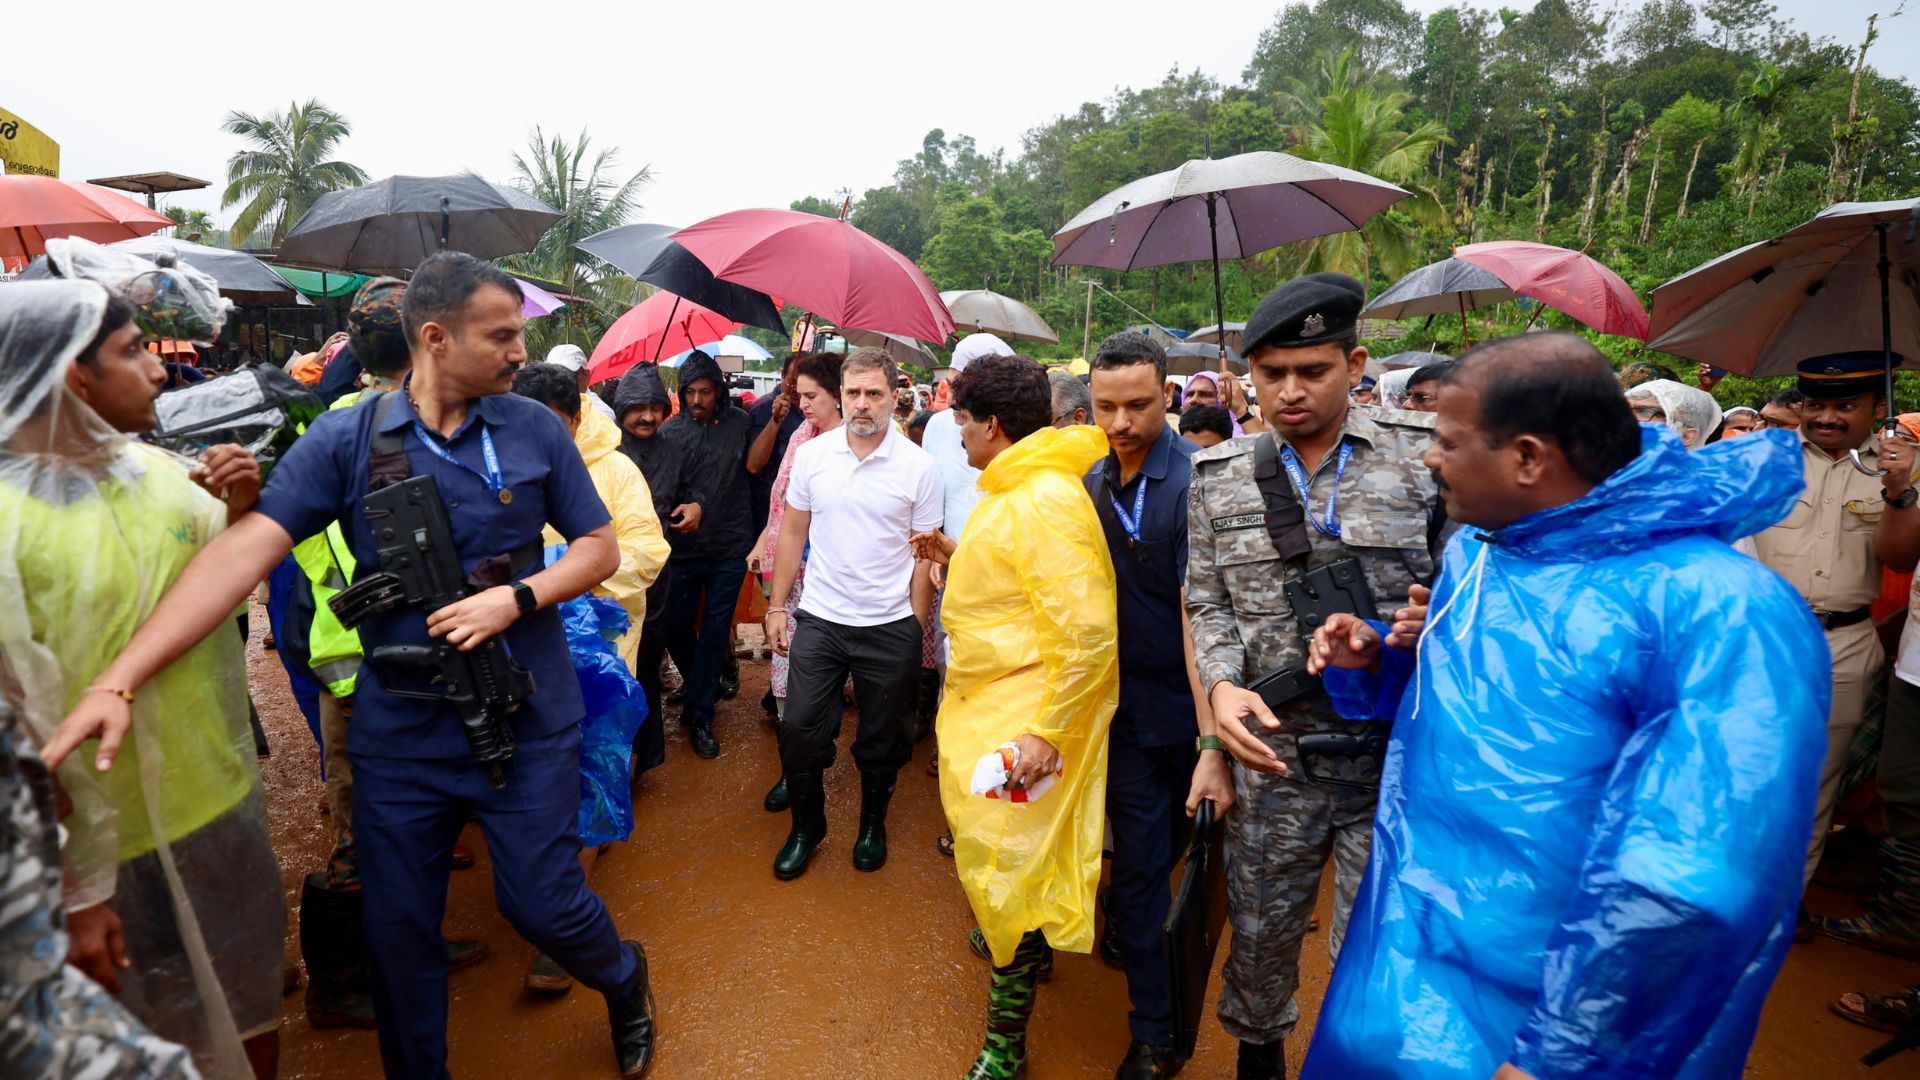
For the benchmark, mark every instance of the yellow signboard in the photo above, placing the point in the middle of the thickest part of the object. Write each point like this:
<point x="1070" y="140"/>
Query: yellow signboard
<point x="25" y="149"/>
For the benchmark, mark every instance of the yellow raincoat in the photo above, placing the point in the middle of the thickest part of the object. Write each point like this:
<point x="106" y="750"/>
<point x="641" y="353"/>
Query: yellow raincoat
<point x="1029" y="611"/>
<point x="643" y="547"/>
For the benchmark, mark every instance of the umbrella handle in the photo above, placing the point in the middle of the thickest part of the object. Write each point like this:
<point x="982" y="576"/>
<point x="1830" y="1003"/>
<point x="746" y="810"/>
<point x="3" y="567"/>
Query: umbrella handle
<point x="1861" y="464"/>
<point x="446" y="219"/>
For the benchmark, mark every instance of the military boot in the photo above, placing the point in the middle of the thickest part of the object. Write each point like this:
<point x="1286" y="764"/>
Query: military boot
<point x="1003" y="1056"/>
<point x="776" y="800"/>
<point x="807" y="798"/>
<point x="870" y="848"/>
<point x="1261" y="1061"/>
<point x="333" y="945"/>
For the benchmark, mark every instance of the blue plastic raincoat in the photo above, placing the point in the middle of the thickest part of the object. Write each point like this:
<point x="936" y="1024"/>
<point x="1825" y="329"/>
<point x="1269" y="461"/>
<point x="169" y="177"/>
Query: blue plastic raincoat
<point x="1593" y="815"/>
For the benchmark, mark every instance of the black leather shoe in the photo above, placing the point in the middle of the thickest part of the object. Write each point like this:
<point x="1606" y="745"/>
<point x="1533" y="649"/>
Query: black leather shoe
<point x="807" y="799"/>
<point x="1145" y="1061"/>
<point x="870" y="848"/>
<point x="463" y="953"/>
<point x="1110" y="946"/>
<point x="776" y="800"/>
<point x="632" y="1022"/>
<point x="704" y="744"/>
<point x="730" y="681"/>
<point x="1262" y="1061"/>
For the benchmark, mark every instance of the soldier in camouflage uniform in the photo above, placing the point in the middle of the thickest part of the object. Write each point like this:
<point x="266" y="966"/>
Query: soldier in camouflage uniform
<point x="1356" y="471"/>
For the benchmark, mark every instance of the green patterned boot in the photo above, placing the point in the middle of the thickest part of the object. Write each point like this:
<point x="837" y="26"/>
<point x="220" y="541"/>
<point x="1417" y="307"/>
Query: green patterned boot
<point x="1009" y="1006"/>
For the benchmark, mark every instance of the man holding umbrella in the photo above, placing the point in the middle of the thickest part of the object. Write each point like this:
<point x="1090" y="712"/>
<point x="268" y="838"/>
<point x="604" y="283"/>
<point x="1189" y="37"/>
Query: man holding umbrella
<point x="1329" y="486"/>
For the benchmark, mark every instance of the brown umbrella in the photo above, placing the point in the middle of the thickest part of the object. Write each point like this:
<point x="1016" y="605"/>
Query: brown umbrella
<point x="980" y="310"/>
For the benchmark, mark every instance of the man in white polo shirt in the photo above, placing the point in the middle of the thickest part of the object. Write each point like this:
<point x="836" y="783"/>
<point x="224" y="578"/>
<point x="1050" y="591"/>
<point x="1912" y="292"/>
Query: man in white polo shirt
<point x="855" y="497"/>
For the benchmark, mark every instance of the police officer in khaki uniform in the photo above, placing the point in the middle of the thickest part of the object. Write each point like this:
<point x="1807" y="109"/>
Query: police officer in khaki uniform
<point x="1846" y="525"/>
<point x="1332" y="481"/>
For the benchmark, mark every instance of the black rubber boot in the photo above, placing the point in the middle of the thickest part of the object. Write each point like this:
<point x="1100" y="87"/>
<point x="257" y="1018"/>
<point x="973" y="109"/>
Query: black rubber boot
<point x="333" y="945"/>
<point x="730" y="679"/>
<point x="807" y="798"/>
<point x="870" y="848"/>
<point x="776" y="800"/>
<point x="1144" y="1061"/>
<point x="1262" y="1061"/>
<point x="705" y="745"/>
<point x="632" y="1021"/>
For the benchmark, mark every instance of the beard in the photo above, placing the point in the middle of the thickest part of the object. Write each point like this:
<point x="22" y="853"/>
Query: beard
<point x="864" y="426"/>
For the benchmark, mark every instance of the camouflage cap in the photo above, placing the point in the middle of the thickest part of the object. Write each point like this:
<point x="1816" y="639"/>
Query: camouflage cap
<point x="377" y="306"/>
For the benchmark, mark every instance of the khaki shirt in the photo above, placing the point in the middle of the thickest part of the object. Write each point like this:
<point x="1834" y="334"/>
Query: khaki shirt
<point x="1825" y="546"/>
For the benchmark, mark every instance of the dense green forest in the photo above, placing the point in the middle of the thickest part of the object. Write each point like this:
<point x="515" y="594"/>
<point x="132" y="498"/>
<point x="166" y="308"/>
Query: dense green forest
<point x="1655" y="137"/>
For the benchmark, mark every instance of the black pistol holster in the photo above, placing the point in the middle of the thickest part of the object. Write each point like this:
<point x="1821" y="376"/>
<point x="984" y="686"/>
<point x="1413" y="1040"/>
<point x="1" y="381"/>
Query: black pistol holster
<point x="420" y="568"/>
<point x="1338" y="588"/>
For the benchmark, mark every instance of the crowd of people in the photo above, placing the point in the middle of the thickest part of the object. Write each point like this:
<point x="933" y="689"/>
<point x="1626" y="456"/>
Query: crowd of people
<point x="1557" y="666"/>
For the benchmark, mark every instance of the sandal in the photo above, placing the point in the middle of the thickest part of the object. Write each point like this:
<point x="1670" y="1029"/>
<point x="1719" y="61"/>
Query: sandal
<point x="1882" y="1012"/>
<point x="945" y="845"/>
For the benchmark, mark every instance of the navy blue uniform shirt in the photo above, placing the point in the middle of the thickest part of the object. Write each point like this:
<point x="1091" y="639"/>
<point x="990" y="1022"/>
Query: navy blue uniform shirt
<point x="1156" y="702"/>
<point x="324" y="477"/>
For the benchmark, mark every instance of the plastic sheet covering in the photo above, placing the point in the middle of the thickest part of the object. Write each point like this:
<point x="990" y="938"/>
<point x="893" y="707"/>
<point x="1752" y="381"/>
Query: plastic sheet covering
<point x="262" y="409"/>
<point x="1029" y="613"/>
<point x="170" y="301"/>
<point x="1588" y="852"/>
<point x="616" y="707"/>
<point x="93" y="529"/>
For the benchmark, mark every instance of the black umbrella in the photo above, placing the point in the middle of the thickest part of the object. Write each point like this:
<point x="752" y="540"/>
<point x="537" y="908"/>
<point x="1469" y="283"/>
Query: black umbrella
<point x="395" y="223"/>
<point x="1440" y="288"/>
<point x="1185" y="359"/>
<point x="649" y="253"/>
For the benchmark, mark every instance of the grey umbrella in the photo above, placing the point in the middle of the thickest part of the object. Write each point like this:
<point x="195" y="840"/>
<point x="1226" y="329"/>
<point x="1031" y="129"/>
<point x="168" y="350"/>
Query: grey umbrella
<point x="240" y="276"/>
<point x="981" y="310"/>
<point x="393" y="224"/>
<point x="1441" y="288"/>
<point x="1213" y="209"/>
<point x="1210" y="335"/>
<point x="1185" y="359"/>
<point x="648" y="252"/>
<point x="903" y="350"/>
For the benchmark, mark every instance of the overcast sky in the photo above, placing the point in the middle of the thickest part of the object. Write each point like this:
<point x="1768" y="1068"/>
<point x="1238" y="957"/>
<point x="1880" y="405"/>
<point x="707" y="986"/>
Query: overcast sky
<point x="732" y="104"/>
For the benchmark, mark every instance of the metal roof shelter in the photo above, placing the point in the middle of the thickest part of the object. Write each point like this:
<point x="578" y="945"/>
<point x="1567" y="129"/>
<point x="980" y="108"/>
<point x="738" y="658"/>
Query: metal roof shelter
<point x="152" y="184"/>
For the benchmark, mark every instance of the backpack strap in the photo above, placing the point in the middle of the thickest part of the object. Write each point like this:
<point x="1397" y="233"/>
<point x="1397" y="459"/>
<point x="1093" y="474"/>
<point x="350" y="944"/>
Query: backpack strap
<point x="1286" y="518"/>
<point x="387" y="462"/>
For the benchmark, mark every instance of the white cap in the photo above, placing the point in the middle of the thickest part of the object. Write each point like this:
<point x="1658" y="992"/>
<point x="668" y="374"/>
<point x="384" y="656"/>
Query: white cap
<point x="567" y="356"/>
<point x="974" y="346"/>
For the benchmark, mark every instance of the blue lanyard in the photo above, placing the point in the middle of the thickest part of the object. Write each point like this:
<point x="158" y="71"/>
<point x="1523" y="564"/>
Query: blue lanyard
<point x="495" y="481"/>
<point x="1331" y="527"/>
<point x="1132" y="524"/>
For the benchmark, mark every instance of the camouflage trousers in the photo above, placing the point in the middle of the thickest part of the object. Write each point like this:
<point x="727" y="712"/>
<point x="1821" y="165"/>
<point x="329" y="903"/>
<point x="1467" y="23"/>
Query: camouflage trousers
<point x="336" y="717"/>
<point x="1279" y="838"/>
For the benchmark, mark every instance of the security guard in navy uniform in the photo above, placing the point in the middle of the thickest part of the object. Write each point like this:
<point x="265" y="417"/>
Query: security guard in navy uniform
<point x="1331" y="482"/>
<point x="505" y="467"/>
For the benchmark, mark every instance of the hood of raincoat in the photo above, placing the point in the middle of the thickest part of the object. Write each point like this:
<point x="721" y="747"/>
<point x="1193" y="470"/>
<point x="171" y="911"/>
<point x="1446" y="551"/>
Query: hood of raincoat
<point x="1072" y="450"/>
<point x="595" y="436"/>
<point x="1685" y="406"/>
<point x="1731" y="489"/>
<point x="641" y="386"/>
<point x="699" y="365"/>
<point x="1586" y="854"/>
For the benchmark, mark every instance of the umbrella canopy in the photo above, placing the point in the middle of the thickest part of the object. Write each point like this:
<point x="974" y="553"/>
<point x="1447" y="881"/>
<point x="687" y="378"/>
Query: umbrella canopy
<point x="393" y="224"/>
<point x="35" y="209"/>
<point x="1184" y="359"/>
<point x="1446" y="287"/>
<point x="982" y="311"/>
<point x="662" y="323"/>
<point x="731" y="345"/>
<point x="536" y="301"/>
<point x="1567" y="281"/>
<point x="903" y="350"/>
<point x="648" y="253"/>
<point x="241" y="277"/>
<point x="1812" y="290"/>
<point x="1210" y="335"/>
<point x="323" y="283"/>
<point x="827" y="266"/>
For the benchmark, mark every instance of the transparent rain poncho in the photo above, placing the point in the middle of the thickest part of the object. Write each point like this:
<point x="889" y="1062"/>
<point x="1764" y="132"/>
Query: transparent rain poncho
<point x="1029" y="610"/>
<point x="94" y="527"/>
<point x="1691" y="411"/>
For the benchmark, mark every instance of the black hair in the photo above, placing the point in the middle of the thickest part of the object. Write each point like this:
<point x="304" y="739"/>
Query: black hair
<point x="383" y="351"/>
<point x="1788" y="398"/>
<point x="550" y="385"/>
<point x="443" y="284"/>
<point x="1207" y="418"/>
<point x="1555" y="385"/>
<point x="118" y="313"/>
<point x="1427" y="373"/>
<point x="1128" y="348"/>
<point x="822" y="368"/>
<point x="920" y="419"/>
<point x="1011" y="389"/>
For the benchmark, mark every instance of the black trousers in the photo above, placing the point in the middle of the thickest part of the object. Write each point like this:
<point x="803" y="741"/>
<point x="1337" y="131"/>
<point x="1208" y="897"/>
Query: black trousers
<point x="1146" y="806"/>
<point x="650" y="746"/>
<point x="884" y="662"/>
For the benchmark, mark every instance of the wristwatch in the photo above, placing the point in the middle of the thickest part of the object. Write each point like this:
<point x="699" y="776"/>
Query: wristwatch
<point x="1244" y="418"/>
<point x="1209" y="742"/>
<point x="523" y="597"/>
<point x="1905" y="500"/>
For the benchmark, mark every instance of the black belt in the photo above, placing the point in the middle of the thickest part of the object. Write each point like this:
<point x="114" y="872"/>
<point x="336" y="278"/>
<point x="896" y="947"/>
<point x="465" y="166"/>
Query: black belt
<point x="1834" y="620"/>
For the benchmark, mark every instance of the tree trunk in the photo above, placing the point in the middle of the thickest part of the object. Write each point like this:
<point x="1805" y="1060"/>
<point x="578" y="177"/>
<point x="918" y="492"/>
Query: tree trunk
<point x="1653" y="186"/>
<point x="1622" y="185"/>
<point x="1687" y="187"/>
<point x="1602" y="144"/>
<point x="1545" y="183"/>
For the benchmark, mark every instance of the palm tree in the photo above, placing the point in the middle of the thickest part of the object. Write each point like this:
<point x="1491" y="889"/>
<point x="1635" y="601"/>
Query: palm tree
<point x="1360" y="128"/>
<point x="190" y="225"/>
<point x="581" y="183"/>
<point x="1763" y="96"/>
<point x="289" y="166"/>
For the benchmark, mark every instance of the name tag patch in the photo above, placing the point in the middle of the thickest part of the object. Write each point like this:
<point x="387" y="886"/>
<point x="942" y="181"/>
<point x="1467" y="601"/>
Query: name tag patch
<point x="1238" y="522"/>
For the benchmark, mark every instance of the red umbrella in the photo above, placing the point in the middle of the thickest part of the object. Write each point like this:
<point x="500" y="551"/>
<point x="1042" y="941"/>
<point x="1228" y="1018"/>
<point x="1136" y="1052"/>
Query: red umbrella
<point x="1567" y="281"/>
<point x="827" y="266"/>
<point x="662" y="325"/>
<point x="35" y="209"/>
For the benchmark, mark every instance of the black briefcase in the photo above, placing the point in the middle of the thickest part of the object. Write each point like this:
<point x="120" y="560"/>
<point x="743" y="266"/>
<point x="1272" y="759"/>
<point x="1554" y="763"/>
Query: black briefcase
<point x="1196" y="924"/>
